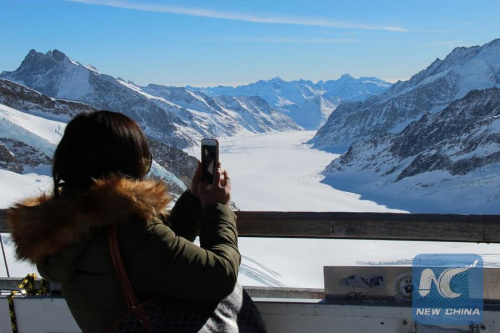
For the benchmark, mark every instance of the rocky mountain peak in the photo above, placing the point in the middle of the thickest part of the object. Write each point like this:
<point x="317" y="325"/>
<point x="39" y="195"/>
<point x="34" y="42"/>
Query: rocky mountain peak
<point x="346" y="76"/>
<point x="462" y="54"/>
<point x="37" y="59"/>
<point x="276" y="79"/>
<point x="57" y="55"/>
<point x="493" y="43"/>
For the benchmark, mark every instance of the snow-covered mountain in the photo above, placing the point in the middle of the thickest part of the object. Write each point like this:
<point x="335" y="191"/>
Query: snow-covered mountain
<point x="307" y="103"/>
<point x="223" y="115"/>
<point x="180" y="125"/>
<point x="32" y="125"/>
<point x="28" y="138"/>
<point x="22" y="146"/>
<point x="454" y="154"/>
<point x="312" y="114"/>
<point x="429" y="91"/>
<point x="22" y="98"/>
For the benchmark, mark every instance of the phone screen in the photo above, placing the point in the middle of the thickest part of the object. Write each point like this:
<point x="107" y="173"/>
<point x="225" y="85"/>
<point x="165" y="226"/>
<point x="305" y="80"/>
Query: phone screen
<point x="208" y="162"/>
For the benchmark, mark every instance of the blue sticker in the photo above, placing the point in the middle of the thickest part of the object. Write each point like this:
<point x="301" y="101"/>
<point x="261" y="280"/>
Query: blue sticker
<point x="447" y="289"/>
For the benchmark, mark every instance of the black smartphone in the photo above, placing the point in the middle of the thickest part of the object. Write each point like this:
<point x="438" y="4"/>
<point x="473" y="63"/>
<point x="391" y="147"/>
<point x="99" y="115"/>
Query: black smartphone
<point x="209" y="159"/>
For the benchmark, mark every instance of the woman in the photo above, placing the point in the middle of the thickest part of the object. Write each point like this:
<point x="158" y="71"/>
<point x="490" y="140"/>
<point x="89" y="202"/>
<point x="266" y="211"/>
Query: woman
<point x="98" y="173"/>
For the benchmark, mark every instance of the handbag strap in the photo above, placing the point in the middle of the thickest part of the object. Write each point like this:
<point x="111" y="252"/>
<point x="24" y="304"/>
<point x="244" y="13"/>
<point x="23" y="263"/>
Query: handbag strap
<point x="130" y="297"/>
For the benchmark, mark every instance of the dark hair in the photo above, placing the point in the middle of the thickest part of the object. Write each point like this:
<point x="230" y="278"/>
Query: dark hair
<point x="99" y="144"/>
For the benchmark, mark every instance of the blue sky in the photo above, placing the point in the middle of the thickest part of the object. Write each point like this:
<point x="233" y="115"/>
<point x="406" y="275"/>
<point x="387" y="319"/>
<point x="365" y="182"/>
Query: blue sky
<point x="230" y="42"/>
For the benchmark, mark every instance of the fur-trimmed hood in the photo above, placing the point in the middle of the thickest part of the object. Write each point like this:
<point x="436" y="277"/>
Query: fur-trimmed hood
<point x="44" y="225"/>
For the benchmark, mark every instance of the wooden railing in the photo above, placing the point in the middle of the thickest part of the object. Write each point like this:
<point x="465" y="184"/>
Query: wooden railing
<point x="383" y="226"/>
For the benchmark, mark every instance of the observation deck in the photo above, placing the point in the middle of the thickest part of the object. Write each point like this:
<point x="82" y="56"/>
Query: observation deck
<point x="335" y="308"/>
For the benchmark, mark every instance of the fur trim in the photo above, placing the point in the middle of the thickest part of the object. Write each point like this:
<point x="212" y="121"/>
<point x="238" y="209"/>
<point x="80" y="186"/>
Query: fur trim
<point x="42" y="226"/>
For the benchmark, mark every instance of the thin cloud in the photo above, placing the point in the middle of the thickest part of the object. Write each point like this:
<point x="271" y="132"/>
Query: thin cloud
<point x="200" y="12"/>
<point x="283" y="40"/>
<point x="297" y="40"/>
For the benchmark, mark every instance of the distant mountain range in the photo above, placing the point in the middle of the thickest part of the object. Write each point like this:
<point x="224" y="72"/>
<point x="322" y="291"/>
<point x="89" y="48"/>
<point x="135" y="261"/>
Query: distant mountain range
<point x="180" y="117"/>
<point x="434" y="136"/>
<point x="307" y="103"/>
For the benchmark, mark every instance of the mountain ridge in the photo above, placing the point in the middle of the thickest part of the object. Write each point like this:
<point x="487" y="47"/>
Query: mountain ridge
<point x="56" y="75"/>
<point x="291" y="97"/>
<point x="430" y="90"/>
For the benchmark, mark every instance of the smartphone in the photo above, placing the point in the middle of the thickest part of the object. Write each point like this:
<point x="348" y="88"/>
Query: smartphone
<point x="209" y="159"/>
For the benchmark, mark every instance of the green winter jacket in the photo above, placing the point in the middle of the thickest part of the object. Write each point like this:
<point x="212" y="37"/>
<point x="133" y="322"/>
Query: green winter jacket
<point x="67" y="238"/>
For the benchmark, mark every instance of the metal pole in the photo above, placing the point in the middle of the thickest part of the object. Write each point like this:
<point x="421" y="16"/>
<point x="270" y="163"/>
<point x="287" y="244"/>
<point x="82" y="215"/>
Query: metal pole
<point x="4" y="257"/>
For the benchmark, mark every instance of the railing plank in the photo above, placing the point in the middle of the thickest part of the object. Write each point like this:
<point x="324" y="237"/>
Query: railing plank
<point x="390" y="226"/>
<point x="387" y="226"/>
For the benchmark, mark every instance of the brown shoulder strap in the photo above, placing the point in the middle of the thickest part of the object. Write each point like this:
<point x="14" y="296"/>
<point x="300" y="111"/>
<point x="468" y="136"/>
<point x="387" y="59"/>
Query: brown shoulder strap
<point x="130" y="297"/>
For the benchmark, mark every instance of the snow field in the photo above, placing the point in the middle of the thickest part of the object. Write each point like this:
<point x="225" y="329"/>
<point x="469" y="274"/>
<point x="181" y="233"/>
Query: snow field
<point x="279" y="172"/>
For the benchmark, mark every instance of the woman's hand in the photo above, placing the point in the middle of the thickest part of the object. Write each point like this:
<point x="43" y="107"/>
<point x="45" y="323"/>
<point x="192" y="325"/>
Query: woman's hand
<point x="219" y="191"/>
